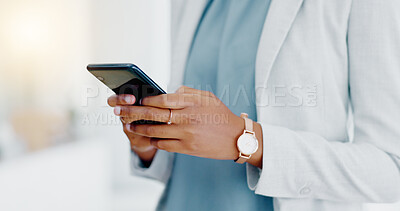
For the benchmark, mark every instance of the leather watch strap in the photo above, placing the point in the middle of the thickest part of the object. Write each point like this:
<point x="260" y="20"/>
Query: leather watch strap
<point x="248" y="124"/>
<point x="241" y="160"/>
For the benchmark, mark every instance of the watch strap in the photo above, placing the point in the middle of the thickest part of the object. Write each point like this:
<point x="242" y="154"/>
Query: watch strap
<point x="241" y="160"/>
<point x="248" y="123"/>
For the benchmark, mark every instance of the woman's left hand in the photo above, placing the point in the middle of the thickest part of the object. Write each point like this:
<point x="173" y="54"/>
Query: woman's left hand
<point x="201" y="124"/>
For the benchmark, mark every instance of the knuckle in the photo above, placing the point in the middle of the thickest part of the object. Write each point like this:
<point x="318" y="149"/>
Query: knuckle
<point x="187" y="99"/>
<point x="190" y="134"/>
<point x="196" y="99"/>
<point x="212" y="94"/>
<point x="181" y="88"/>
<point x="147" y="113"/>
<point x="164" y="100"/>
<point x="149" y="130"/>
<point x="192" y="146"/>
<point x="208" y="94"/>
<point x="133" y="112"/>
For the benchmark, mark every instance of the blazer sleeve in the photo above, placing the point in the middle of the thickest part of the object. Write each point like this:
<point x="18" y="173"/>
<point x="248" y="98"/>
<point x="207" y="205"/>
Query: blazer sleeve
<point x="160" y="168"/>
<point x="300" y="164"/>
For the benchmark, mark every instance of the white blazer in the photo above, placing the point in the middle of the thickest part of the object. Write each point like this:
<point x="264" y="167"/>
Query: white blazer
<point x="317" y="58"/>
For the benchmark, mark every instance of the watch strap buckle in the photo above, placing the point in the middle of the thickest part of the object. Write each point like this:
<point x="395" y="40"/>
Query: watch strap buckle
<point x="242" y="158"/>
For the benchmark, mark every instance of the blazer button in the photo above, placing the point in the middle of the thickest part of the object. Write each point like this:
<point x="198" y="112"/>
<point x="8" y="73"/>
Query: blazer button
<point x="305" y="191"/>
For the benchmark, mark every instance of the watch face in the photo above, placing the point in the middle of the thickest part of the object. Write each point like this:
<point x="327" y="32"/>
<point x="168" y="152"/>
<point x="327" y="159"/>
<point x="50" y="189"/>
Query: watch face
<point x="247" y="144"/>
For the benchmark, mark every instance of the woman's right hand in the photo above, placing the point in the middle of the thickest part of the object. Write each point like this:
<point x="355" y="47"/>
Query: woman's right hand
<point x="140" y="144"/>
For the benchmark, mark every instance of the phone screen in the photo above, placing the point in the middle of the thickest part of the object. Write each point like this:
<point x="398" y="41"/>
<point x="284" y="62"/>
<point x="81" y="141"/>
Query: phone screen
<point x="126" y="82"/>
<point x="127" y="79"/>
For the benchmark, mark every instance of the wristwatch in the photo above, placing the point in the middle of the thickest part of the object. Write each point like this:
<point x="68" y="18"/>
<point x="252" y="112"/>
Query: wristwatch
<point x="247" y="143"/>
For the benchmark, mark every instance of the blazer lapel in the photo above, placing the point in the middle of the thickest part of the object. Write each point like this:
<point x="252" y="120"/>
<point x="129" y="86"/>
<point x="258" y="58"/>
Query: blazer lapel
<point x="280" y="17"/>
<point x="186" y="25"/>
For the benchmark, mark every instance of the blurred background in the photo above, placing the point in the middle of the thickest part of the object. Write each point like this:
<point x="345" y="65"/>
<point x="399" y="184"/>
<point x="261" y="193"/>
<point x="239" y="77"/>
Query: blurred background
<point x="61" y="148"/>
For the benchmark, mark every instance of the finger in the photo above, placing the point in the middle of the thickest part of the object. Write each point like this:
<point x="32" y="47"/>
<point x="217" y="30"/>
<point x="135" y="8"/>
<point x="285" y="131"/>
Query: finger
<point x="189" y="90"/>
<point x="171" y="101"/>
<point x="136" y="141"/>
<point x="123" y="99"/>
<point x="177" y="118"/>
<point x="123" y="120"/>
<point x="127" y="120"/>
<point x="169" y="145"/>
<point x="129" y="114"/>
<point x="158" y="131"/>
<point x="134" y="113"/>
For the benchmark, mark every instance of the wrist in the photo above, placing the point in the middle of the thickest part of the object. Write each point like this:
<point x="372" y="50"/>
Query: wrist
<point x="256" y="158"/>
<point x="249" y="145"/>
<point x="238" y="129"/>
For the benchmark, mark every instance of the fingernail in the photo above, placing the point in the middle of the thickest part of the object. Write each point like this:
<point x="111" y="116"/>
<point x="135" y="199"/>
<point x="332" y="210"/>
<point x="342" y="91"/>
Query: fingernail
<point x="117" y="110"/>
<point x="129" y="127"/>
<point x="129" y="99"/>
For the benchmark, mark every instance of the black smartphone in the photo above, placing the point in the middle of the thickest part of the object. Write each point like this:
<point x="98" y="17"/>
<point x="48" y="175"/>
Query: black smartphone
<point x="126" y="78"/>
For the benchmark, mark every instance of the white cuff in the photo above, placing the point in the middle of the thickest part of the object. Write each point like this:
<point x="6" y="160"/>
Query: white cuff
<point x="253" y="175"/>
<point x="160" y="168"/>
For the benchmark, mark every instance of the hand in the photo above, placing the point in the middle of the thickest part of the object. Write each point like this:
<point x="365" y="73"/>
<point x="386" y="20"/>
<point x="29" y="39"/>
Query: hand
<point x="140" y="144"/>
<point x="201" y="124"/>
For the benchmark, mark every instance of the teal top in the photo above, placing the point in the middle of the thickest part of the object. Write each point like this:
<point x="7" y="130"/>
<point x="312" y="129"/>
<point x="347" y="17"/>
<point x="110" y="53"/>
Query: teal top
<point x="221" y="60"/>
